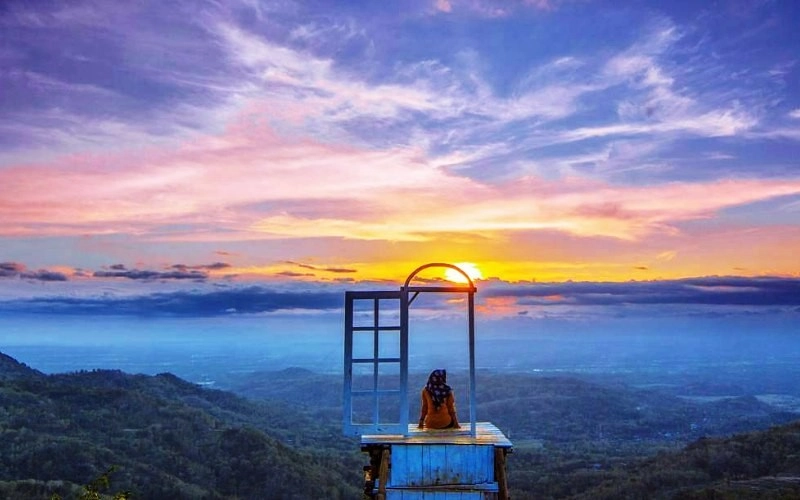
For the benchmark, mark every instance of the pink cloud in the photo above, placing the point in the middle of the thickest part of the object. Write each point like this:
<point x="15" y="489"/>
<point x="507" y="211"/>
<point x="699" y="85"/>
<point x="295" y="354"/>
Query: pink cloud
<point x="443" y="6"/>
<point x="539" y="4"/>
<point x="252" y="183"/>
<point x="265" y="177"/>
<point x="214" y="180"/>
<point x="492" y="8"/>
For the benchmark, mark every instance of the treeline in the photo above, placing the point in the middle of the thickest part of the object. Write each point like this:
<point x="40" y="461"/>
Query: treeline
<point x="573" y="438"/>
<point x="169" y="439"/>
<point x="760" y="465"/>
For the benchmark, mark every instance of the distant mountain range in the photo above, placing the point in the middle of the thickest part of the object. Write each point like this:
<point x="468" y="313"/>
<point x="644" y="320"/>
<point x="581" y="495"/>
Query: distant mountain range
<point x="573" y="438"/>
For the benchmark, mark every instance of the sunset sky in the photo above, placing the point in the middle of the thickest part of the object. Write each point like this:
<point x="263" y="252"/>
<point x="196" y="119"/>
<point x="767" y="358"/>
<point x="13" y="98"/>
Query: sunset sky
<point x="234" y="144"/>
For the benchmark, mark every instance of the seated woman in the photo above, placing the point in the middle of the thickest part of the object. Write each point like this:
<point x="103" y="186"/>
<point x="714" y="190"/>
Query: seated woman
<point x="438" y="403"/>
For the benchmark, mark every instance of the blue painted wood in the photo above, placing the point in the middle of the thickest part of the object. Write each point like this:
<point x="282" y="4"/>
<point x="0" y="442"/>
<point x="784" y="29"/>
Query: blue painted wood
<point x="414" y="464"/>
<point x="487" y="433"/>
<point x="347" y="411"/>
<point x="439" y="474"/>
<point x="472" y="401"/>
<point x="376" y="390"/>
<point x="434" y="495"/>
<point x="404" y="357"/>
<point x="458" y="463"/>
<point x="424" y="467"/>
<point x="441" y="464"/>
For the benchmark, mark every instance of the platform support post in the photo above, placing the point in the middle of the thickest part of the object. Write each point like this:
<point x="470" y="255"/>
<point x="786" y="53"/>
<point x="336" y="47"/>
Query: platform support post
<point x="500" y="472"/>
<point x="383" y="475"/>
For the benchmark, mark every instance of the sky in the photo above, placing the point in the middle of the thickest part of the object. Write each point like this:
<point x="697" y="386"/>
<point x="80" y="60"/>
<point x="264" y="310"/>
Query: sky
<point x="214" y="157"/>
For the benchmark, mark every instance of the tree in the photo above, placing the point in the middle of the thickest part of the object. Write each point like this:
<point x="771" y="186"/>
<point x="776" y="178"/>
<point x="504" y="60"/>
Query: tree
<point x="94" y="490"/>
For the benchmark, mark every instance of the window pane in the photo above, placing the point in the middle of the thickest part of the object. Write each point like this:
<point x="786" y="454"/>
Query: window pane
<point x="364" y="312"/>
<point x="362" y="409"/>
<point x="389" y="312"/>
<point x="389" y="344"/>
<point x="363" y="377"/>
<point x="389" y="376"/>
<point x="363" y="345"/>
<point x="389" y="408"/>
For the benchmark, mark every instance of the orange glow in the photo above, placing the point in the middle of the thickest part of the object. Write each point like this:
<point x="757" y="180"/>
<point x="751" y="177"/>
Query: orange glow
<point x="725" y="251"/>
<point x="499" y="306"/>
<point x="468" y="267"/>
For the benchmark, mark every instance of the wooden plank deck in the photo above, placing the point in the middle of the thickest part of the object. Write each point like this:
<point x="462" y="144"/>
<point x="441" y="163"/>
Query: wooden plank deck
<point x="487" y="434"/>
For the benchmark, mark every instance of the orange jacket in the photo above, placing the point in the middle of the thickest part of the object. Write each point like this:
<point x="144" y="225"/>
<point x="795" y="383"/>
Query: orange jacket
<point x="432" y="418"/>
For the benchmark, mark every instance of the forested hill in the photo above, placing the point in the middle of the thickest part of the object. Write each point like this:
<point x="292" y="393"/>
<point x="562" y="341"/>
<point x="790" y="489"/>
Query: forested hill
<point x="763" y="464"/>
<point x="170" y="439"/>
<point x="573" y="438"/>
<point x="10" y="369"/>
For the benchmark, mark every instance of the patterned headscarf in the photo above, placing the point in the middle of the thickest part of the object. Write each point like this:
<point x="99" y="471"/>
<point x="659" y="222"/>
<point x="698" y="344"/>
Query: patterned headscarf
<point x="437" y="387"/>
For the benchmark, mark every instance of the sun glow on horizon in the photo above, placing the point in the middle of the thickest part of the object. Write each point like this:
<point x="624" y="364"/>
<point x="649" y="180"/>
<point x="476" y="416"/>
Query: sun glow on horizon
<point x="468" y="267"/>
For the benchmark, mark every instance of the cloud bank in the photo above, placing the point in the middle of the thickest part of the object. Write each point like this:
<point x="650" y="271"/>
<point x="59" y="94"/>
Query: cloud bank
<point x="494" y="299"/>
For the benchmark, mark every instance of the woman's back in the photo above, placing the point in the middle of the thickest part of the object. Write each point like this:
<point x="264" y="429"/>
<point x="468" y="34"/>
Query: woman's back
<point x="438" y="403"/>
<point x="441" y="417"/>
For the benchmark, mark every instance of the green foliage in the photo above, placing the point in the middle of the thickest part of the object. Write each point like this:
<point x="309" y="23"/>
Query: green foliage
<point x="94" y="490"/>
<point x="173" y="439"/>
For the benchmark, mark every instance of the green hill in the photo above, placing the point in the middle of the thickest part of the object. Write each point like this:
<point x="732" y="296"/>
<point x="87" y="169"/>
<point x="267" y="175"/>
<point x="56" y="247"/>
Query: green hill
<point x="11" y="369"/>
<point x="763" y="464"/>
<point x="170" y="439"/>
<point x="573" y="438"/>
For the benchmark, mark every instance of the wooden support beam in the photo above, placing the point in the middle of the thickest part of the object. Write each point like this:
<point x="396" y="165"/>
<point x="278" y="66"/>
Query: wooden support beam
<point x="383" y="474"/>
<point x="500" y="472"/>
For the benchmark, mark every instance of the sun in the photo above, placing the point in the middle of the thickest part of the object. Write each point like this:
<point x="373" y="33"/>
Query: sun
<point x="468" y="267"/>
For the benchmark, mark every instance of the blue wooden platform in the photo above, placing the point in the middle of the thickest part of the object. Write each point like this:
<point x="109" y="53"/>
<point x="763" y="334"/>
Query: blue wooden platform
<point x="439" y="464"/>
<point x="486" y="433"/>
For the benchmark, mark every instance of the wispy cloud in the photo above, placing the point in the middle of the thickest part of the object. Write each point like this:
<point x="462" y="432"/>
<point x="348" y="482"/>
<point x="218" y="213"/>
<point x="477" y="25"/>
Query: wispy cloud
<point x="215" y="185"/>
<point x="325" y="269"/>
<point x="493" y="8"/>
<point x="193" y="125"/>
